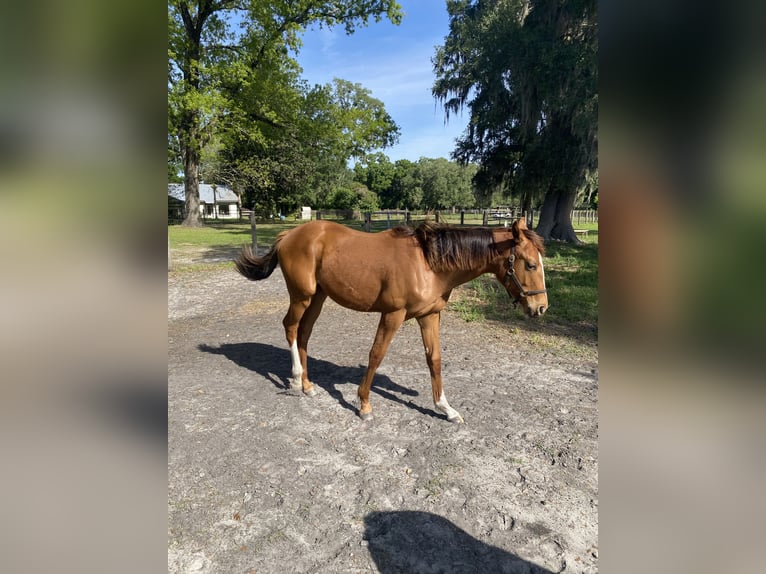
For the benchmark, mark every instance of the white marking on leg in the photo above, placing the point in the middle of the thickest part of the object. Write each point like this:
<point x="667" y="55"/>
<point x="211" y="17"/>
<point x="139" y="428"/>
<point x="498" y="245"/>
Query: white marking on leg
<point x="297" y="368"/>
<point x="443" y="406"/>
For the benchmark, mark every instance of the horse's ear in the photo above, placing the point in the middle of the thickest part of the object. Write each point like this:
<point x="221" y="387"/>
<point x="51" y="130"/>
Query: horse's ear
<point x="518" y="230"/>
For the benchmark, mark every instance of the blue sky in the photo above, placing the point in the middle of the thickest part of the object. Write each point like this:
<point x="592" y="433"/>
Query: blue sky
<point x="394" y="63"/>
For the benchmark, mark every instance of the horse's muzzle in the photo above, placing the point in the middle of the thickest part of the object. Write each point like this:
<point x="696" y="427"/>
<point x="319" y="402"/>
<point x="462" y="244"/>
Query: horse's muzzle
<point x="538" y="311"/>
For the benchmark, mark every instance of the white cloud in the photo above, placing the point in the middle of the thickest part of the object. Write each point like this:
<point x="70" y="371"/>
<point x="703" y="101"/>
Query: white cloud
<point x="328" y="38"/>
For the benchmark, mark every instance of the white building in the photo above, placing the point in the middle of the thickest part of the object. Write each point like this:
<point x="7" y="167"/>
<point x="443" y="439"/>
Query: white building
<point x="216" y="201"/>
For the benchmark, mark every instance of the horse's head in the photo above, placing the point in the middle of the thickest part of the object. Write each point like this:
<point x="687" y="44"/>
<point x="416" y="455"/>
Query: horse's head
<point x="523" y="274"/>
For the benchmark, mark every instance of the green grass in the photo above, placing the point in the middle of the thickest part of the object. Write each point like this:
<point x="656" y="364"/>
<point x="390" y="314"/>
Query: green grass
<point x="592" y="237"/>
<point x="224" y="234"/>
<point x="571" y="275"/>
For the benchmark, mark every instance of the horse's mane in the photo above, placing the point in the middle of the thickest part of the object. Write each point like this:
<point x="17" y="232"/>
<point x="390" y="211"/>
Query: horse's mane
<point x="448" y="248"/>
<point x="536" y="240"/>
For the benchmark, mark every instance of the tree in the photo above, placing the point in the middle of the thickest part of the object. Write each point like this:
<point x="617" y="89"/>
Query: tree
<point x="527" y="72"/>
<point x="362" y="120"/>
<point x="428" y="184"/>
<point x="221" y="51"/>
<point x="406" y="190"/>
<point x="303" y="161"/>
<point x="345" y="122"/>
<point x="445" y="184"/>
<point x="376" y="172"/>
<point x="434" y="178"/>
<point x="459" y="193"/>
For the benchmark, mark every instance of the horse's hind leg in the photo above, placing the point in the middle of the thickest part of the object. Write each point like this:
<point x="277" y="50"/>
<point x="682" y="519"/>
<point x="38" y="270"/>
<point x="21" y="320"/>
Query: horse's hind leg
<point x="304" y="333"/>
<point x="291" y="322"/>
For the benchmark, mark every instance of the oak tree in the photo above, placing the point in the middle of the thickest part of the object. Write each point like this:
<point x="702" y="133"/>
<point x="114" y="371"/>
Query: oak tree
<point x="527" y="72"/>
<point x="221" y="50"/>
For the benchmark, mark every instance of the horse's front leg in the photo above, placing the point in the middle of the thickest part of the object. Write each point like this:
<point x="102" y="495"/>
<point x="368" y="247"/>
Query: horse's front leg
<point x="429" y="329"/>
<point x="387" y="327"/>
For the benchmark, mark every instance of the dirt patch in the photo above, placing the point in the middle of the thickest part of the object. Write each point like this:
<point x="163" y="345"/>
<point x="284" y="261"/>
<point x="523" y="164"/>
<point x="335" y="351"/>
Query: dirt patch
<point x="264" y="481"/>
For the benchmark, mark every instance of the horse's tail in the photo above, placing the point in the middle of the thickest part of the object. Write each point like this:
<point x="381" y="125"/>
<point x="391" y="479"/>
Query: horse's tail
<point x="256" y="268"/>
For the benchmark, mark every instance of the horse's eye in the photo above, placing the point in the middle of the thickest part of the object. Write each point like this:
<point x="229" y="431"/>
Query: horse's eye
<point x="530" y="266"/>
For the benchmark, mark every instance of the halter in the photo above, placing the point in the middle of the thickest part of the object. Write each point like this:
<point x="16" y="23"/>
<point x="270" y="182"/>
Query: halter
<point x="511" y="275"/>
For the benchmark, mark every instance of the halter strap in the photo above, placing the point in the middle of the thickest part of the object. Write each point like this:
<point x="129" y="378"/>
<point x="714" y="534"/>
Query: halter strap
<point x="511" y="275"/>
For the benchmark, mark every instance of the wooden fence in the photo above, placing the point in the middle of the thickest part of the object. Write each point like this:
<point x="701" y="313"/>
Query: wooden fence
<point x="391" y="218"/>
<point x="483" y="217"/>
<point x="580" y="216"/>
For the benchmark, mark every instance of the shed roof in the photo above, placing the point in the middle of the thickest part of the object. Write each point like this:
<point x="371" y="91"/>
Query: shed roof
<point x="222" y="193"/>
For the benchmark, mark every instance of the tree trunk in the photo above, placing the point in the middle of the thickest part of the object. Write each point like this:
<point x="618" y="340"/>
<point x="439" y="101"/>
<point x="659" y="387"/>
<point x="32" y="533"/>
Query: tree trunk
<point x="189" y="128"/>
<point x="555" y="216"/>
<point x="526" y="204"/>
<point x="191" y="184"/>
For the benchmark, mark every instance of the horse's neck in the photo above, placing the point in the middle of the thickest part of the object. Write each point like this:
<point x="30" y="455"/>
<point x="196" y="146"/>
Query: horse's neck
<point x="452" y="279"/>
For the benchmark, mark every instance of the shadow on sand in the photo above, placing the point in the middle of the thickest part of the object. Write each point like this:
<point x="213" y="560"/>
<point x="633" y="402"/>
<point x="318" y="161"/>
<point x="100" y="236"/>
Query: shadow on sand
<point x="274" y="364"/>
<point x="414" y="542"/>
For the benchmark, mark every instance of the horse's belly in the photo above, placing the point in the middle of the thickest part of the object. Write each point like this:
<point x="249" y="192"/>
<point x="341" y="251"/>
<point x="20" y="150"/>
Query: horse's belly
<point x="358" y="300"/>
<point x="368" y="293"/>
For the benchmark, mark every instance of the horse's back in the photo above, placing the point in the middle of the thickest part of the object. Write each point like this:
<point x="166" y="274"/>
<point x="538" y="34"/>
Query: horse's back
<point x="362" y="271"/>
<point x="318" y="236"/>
<point x="319" y="230"/>
<point x="302" y="250"/>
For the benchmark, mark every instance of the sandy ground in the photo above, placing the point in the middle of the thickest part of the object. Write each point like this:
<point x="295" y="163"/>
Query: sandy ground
<point x="262" y="481"/>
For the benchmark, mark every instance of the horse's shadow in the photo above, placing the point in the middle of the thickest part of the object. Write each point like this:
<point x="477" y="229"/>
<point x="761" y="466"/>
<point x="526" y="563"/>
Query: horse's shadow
<point x="414" y="541"/>
<point x="274" y="364"/>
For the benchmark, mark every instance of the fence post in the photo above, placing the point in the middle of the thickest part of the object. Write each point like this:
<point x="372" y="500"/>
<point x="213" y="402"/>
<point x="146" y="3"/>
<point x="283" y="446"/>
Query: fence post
<point x="462" y="217"/>
<point x="368" y="222"/>
<point x="319" y="215"/>
<point x="388" y="220"/>
<point x="438" y="216"/>
<point x="252" y="232"/>
<point x="484" y="217"/>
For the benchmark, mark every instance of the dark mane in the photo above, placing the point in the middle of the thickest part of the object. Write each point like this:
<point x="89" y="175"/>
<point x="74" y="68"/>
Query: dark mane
<point x="536" y="240"/>
<point x="448" y="248"/>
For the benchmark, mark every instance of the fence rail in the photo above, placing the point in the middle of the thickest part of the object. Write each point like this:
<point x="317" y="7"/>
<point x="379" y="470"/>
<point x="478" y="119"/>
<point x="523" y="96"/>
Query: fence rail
<point x="485" y="217"/>
<point x="392" y="218"/>
<point x="580" y="216"/>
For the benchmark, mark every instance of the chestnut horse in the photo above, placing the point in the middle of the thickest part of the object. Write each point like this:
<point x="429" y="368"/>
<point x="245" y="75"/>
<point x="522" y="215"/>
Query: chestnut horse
<point x="401" y="273"/>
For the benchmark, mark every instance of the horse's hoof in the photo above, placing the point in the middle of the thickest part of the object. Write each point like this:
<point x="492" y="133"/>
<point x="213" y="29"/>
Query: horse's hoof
<point x="312" y="392"/>
<point x="457" y="420"/>
<point x="365" y="416"/>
